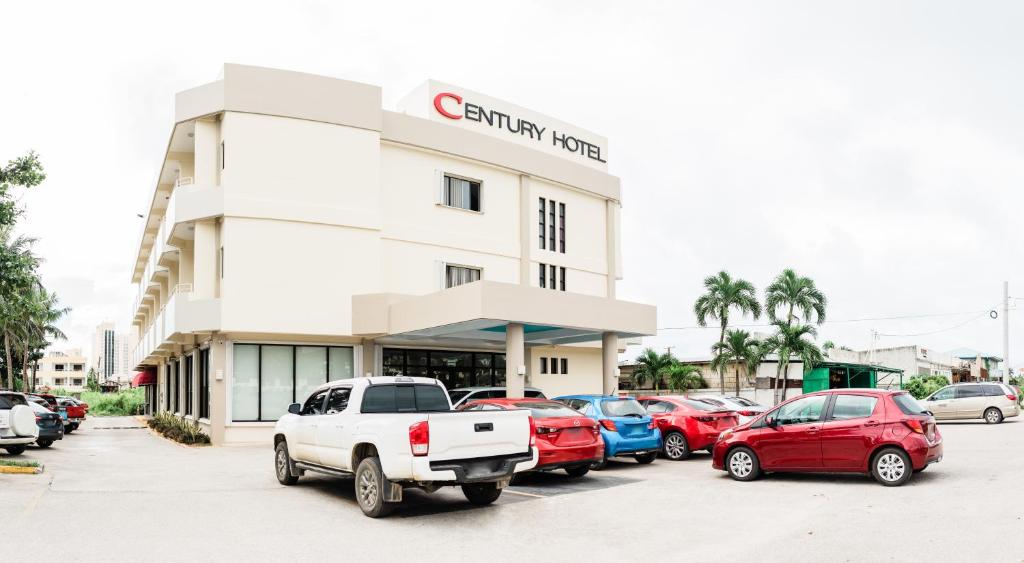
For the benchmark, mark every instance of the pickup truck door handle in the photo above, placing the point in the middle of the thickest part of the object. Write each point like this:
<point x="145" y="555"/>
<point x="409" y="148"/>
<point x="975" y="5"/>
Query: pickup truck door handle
<point x="483" y="427"/>
<point x="871" y="423"/>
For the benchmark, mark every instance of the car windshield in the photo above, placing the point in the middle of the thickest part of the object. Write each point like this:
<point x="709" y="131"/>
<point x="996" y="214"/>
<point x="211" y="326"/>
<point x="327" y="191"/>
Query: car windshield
<point x="456" y="395"/>
<point x="908" y="404"/>
<point x="702" y="405"/>
<point x="547" y="410"/>
<point x="622" y="407"/>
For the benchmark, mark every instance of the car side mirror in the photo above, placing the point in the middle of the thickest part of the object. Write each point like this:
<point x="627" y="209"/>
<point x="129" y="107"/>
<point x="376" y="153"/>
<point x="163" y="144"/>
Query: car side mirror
<point x="295" y="408"/>
<point x="771" y="422"/>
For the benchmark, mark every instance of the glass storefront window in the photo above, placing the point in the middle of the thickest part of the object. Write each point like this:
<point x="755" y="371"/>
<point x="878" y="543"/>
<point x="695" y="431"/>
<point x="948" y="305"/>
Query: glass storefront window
<point x="310" y="370"/>
<point x="275" y="381"/>
<point x="266" y="378"/>
<point x="245" y="382"/>
<point x="342" y="364"/>
<point x="455" y="369"/>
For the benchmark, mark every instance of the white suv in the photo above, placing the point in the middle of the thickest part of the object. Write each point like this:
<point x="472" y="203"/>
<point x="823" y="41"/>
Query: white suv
<point x="989" y="401"/>
<point x="17" y="423"/>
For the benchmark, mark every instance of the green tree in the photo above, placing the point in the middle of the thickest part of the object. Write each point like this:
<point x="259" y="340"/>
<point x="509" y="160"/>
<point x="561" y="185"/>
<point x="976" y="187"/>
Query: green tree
<point x="790" y="340"/>
<point x="683" y="377"/>
<point x="91" y="381"/>
<point x="38" y="325"/>
<point x="723" y="294"/>
<point x="920" y="386"/>
<point x="26" y="172"/>
<point x="798" y="297"/>
<point x="735" y="350"/>
<point x="17" y="279"/>
<point x="651" y="366"/>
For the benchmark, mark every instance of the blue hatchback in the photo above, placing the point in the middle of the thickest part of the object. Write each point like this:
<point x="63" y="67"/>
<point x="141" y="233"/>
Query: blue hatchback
<point x="626" y="427"/>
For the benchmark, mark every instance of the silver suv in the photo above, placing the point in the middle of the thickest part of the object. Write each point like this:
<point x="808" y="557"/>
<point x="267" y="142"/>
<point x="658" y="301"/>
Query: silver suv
<point x="989" y="401"/>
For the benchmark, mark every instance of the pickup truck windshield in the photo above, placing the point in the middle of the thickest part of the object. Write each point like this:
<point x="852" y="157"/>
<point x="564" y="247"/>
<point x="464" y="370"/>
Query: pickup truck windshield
<point x="404" y="398"/>
<point x="622" y="407"/>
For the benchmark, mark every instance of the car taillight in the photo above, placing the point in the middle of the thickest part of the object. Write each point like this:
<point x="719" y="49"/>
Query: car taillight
<point x="1012" y="398"/>
<point x="652" y="425"/>
<point x="609" y="425"/>
<point x="914" y="425"/>
<point x="533" y="432"/>
<point x="543" y="430"/>
<point x="419" y="438"/>
<point x="747" y="413"/>
<point x="38" y="418"/>
<point x="705" y="418"/>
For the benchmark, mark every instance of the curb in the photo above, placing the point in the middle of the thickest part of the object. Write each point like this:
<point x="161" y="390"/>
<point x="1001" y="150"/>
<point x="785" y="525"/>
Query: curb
<point x="17" y="469"/>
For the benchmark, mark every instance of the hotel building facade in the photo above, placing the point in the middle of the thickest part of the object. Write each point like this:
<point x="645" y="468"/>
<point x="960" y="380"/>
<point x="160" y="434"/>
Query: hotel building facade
<point x="298" y="233"/>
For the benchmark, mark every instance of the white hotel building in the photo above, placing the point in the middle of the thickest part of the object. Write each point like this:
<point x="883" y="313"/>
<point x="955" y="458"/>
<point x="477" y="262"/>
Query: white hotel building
<point x="298" y="233"/>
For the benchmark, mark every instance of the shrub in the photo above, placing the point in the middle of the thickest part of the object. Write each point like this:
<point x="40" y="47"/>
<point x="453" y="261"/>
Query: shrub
<point x="123" y="403"/>
<point x="178" y="429"/>
<point x="920" y="386"/>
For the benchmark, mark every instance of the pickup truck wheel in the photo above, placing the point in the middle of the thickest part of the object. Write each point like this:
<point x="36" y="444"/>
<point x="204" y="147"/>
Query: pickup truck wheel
<point x="74" y="425"/>
<point x="69" y="429"/>
<point x="44" y="443"/>
<point x="481" y="493"/>
<point x="282" y="465"/>
<point x="15" y="450"/>
<point x="578" y="471"/>
<point x="644" y="459"/>
<point x="370" y="488"/>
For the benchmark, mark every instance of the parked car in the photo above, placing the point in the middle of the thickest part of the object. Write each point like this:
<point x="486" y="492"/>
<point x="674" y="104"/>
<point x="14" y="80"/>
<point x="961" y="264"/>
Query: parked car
<point x="397" y="432"/>
<point x="626" y="428"/>
<point x="464" y="395"/>
<point x="17" y="423"/>
<point x="991" y="402"/>
<point x="687" y="424"/>
<point x="887" y="434"/>
<point x="51" y="426"/>
<point x="72" y="413"/>
<point x="746" y="410"/>
<point x="565" y="438"/>
<point x="51" y="400"/>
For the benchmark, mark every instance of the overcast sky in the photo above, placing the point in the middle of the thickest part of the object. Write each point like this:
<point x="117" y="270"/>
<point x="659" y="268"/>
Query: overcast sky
<point x="873" y="146"/>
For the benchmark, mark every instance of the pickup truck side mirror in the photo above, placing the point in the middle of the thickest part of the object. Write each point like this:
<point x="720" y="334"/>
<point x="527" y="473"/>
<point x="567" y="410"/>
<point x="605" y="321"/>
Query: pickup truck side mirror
<point x="295" y="408"/>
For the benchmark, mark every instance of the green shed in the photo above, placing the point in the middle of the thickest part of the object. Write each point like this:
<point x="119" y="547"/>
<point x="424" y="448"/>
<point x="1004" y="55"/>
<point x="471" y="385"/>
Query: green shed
<point x="842" y="375"/>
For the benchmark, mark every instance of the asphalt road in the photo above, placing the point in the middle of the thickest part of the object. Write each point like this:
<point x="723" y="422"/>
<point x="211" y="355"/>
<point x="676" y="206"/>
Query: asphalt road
<point x="121" y="493"/>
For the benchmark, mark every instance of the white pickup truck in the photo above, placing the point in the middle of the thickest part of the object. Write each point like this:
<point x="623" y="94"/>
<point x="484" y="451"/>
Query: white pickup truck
<point x="396" y="432"/>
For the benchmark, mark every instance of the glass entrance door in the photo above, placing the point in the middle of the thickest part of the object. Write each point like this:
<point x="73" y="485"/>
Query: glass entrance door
<point x="455" y="369"/>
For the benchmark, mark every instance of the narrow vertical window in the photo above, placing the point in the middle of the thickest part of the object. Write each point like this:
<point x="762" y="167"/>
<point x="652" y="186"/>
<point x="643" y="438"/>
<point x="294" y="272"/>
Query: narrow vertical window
<point x="542" y="224"/>
<point x="222" y="155"/>
<point x="554" y="366"/>
<point x="552" y="280"/>
<point x="561" y="228"/>
<point x="543" y="275"/>
<point x="551" y="226"/>
<point x="543" y="365"/>
<point x="561" y="279"/>
<point x="222" y="262"/>
<point x="565" y="366"/>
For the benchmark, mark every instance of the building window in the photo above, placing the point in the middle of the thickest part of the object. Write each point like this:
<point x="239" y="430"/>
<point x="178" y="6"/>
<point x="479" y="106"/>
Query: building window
<point x="177" y="386"/>
<point x="266" y="378"/>
<point x="458" y="275"/>
<point x="561" y="228"/>
<point x="543" y="365"/>
<point x="543" y="275"/>
<point x="223" y="155"/>
<point x="461" y="193"/>
<point x="58" y="381"/>
<point x="565" y="365"/>
<point x="204" y="383"/>
<point x="77" y="381"/>
<point x="77" y="367"/>
<point x="222" y="262"/>
<point x="167" y="384"/>
<point x="542" y="224"/>
<point x="58" y="367"/>
<point x="553" y="366"/>
<point x="561" y="279"/>
<point x="551" y="226"/>
<point x="189" y="375"/>
<point x="455" y="369"/>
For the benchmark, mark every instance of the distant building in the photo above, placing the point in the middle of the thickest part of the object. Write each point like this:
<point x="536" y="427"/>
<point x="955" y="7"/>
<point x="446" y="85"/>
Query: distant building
<point x="912" y="360"/>
<point x="110" y="356"/>
<point x="64" y="370"/>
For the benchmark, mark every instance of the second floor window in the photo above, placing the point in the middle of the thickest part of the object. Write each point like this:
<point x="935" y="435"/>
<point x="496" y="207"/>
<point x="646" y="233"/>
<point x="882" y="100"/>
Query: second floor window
<point x="458" y="275"/>
<point x="461" y="193"/>
<point x="551" y="225"/>
<point x="551" y="276"/>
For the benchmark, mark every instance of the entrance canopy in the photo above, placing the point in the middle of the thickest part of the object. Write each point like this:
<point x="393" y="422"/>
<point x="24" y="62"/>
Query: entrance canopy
<point x="481" y="311"/>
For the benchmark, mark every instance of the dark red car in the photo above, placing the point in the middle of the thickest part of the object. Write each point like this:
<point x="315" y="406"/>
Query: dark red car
<point x="887" y="434"/>
<point x="51" y="400"/>
<point x="686" y="424"/>
<point x="565" y="438"/>
<point x="73" y="413"/>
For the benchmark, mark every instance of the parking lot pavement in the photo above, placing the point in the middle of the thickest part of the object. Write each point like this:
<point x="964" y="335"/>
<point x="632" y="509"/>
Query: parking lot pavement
<point x="114" y="492"/>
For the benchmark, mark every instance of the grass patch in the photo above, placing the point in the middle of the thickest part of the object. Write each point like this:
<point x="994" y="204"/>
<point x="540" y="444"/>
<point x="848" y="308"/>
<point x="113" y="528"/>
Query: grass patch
<point x="178" y="429"/>
<point x="123" y="403"/>
<point x="19" y="463"/>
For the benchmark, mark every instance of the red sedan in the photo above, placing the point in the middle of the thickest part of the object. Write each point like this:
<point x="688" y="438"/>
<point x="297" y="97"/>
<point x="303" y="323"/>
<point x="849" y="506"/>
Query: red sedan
<point x="885" y="433"/>
<point x="565" y="439"/>
<point x="687" y="424"/>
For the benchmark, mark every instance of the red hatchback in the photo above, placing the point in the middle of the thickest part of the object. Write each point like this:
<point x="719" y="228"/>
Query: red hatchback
<point x="885" y="433"/>
<point x="687" y="424"/>
<point x="565" y="439"/>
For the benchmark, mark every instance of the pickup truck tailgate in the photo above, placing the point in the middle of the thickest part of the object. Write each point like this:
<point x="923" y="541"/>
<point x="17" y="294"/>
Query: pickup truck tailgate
<point x="474" y="434"/>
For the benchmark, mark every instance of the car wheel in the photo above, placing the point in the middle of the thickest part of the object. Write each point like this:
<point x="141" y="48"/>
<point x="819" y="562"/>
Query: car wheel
<point x="74" y="426"/>
<point x="891" y="467"/>
<point x="742" y="464"/>
<point x="676" y="446"/>
<point x="993" y="415"/>
<point x="69" y="429"/>
<point x="481" y="493"/>
<point x="644" y="459"/>
<point x="370" y="488"/>
<point x="15" y="450"/>
<point x="282" y="465"/>
<point x="578" y="471"/>
<point x="599" y="465"/>
<point x="44" y="443"/>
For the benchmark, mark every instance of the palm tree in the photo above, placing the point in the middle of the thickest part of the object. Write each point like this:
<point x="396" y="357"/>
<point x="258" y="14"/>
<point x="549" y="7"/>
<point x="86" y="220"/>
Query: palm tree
<point x="652" y="366"/>
<point x="683" y="377"/>
<point x="789" y="341"/>
<point x="793" y="294"/>
<point x="736" y="349"/>
<point x="759" y="350"/>
<point x="38" y="326"/>
<point x="724" y="293"/>
<point x="17" y="277"/>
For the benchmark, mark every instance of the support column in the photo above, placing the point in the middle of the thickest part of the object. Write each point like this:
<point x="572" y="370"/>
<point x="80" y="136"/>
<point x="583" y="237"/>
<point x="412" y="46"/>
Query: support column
<point x="526" y="220"/>
<point x="369" y="358"/>
<point x="610" y="362"/>
<point x="218" y="389"/>
<point x="515" y="360"/>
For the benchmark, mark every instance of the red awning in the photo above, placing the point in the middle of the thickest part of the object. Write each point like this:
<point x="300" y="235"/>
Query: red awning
<point x="144" y="378"/>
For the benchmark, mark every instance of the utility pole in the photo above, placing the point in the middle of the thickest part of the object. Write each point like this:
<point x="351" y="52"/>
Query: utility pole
<point x="1006" y="332"/>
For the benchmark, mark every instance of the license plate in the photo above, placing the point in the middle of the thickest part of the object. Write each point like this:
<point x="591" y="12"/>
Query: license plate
<point x="5" y="419"/>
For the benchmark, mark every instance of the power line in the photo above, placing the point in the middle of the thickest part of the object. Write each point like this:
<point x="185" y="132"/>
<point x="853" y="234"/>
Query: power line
<point x="970" y="320"/>
<point x="894" y="318"/>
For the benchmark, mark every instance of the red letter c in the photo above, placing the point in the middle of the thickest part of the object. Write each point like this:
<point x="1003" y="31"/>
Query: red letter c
<point x="440" y="109"/>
